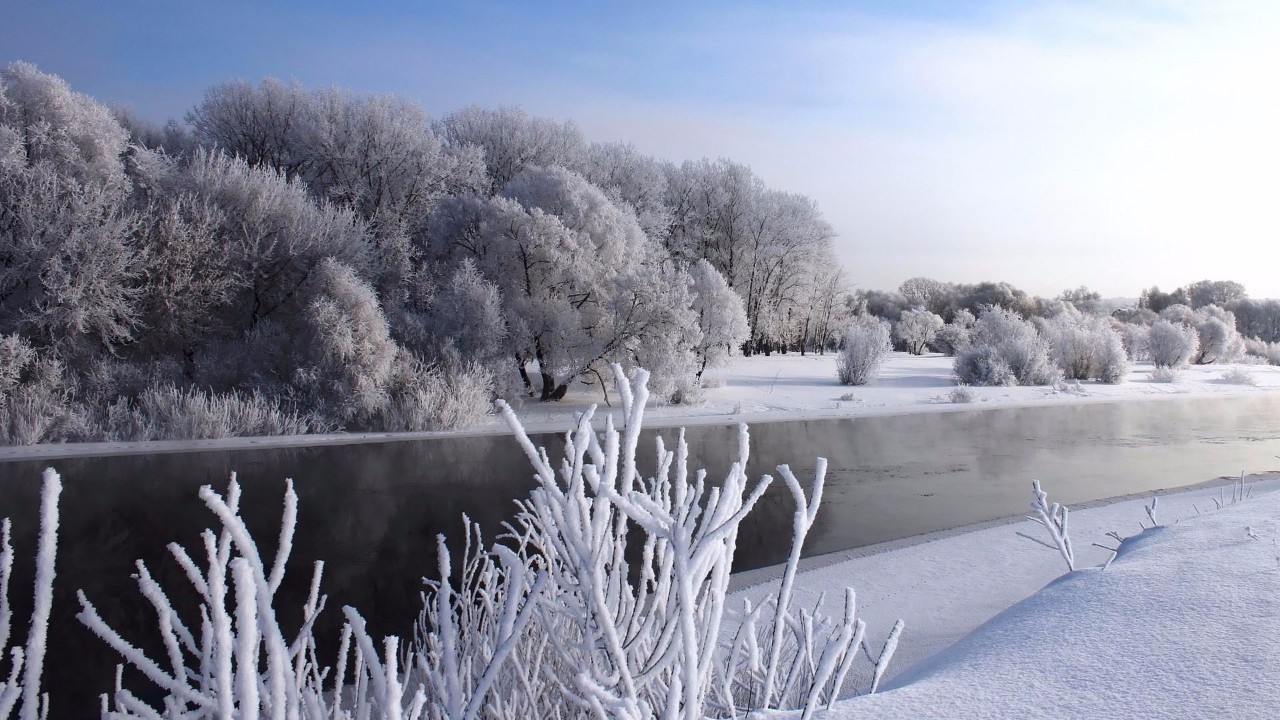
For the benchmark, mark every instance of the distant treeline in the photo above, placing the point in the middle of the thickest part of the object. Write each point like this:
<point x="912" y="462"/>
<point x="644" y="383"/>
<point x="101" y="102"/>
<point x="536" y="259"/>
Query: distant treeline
<point x="287" y="260"/>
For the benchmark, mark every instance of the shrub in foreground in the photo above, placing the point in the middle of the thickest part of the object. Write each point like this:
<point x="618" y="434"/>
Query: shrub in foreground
<point x="605" y="600"/>
<point x="866" y="345"/>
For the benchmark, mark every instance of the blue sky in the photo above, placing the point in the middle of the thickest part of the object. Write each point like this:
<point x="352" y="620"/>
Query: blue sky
<point x="1045" y="143"/>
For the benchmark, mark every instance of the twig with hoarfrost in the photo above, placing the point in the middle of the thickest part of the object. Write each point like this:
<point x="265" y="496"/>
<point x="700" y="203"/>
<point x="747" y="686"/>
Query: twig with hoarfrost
<point x="27" y="662"/>
<point x="1054" y="518"/>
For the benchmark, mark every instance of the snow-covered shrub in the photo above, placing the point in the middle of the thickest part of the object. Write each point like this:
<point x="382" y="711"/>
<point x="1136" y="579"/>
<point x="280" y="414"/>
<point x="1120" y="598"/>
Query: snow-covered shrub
<point x="1004" y="347"/>
<point x="466" y="316"/>
<point x="1180" y="313"/>
<point x="602" y="629"/>
<point x="1269" y="352"/>
<point x="1220" y="342"/>
<point x="1166" y="374"/>
<point x="346" y="350"/>
<point x="1085" y="347"/>
<point x="234" y="658"/>
<point x="917" y="329"/>
<point x="422" y="396"/>
<point x="1171" y="345"/>
<point x="606" y="600"/>
<point x="41" y="407"/>
<point x="21" y="691"/>
<point x="1239" y="376"/>
<point x="171" y="413"/>
<point x="865" y="346"/>
<point x="983" y="365"/>
<point x="962" y="394"/>
<point x="1135" y="337"/>
<point x="952" y="339"/>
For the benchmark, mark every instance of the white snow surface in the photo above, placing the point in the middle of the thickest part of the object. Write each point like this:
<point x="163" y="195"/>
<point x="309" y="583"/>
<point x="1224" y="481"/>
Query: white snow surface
<point x="1184" y="623"/>
<point x="792" y="387"/>
<point x="759" y="389"/>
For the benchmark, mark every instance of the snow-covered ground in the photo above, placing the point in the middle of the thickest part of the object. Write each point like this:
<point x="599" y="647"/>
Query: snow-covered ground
<point x="761" y="389"/>
<point x="787" y="387"/>
<point x="1184" y="623"/>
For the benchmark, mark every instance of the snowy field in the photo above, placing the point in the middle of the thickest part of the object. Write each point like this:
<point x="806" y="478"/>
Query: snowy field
<point x="1185" y="617"/>
<point x="790" y="387"/>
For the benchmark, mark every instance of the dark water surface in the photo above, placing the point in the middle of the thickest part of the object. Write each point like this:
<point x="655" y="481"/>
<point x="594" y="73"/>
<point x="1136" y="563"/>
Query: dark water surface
<point x="371" y="511"/>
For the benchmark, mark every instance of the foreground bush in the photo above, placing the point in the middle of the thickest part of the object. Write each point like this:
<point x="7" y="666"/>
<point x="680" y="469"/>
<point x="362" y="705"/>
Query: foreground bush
<point x="1004" y="349"/>
<point x="866" y="345"/>
<point x="607" y="600"/>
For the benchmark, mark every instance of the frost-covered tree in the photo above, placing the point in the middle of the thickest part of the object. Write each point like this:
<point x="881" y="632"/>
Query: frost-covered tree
<point x="720" y="316"/>
<point x="917" y="329"/>
<point x="275" y="234"/>
<point x="1180" y="313"/>
<point x="1083" y="299"/>
<point x="865" y="344"/>
<point x="345" y="349"/>
<point x="1136" y="340"/>
<point x="954" y="336"/>
<point x="512" y="140"/>
<point x="43" y="121"/>
<point x="69" y="265"/>
<point x="68" y="261"/>
<point x="1172" y="344"/>
<point x="189" y="276"/>
<point x="466" y="317"/>
<point x="631" y="179"/>
<point x="1003" y="342"/>
<point x="1218" y="339"/>
<point x="580" y="282"/>
<point x="1214" y="292"/>
<point x="256" y="124"/>
<point x="768" y="245"/>
<point x="1258" y="318"/>
<point x="1220" y="342"/>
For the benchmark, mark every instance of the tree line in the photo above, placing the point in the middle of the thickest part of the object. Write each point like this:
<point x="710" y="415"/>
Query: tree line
<point x="286" y="259"/>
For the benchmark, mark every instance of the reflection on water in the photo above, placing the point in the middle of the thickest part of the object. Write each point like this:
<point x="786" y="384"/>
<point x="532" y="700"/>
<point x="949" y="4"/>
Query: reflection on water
<point x="371" y="511"/>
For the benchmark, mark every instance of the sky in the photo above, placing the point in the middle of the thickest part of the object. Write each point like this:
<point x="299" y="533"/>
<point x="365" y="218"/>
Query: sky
<point x="1048" y="144"/>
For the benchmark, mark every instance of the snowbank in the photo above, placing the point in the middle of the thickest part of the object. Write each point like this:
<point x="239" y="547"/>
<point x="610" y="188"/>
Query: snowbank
<point x="1184" y="623"/>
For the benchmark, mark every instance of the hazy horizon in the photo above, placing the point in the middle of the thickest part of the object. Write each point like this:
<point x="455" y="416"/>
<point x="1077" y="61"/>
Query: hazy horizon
<point x="1044" y="144"/>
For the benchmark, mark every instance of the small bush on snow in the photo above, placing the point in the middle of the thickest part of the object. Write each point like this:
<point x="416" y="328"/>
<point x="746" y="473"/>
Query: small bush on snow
<point x="983" y="365"/>
<point x="1239" y="376"/>
<point x="1004" y="350"/>
<point x="1165" y="374"/>
<point x="962" y="394"/>
<point x="866" y="345"/>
